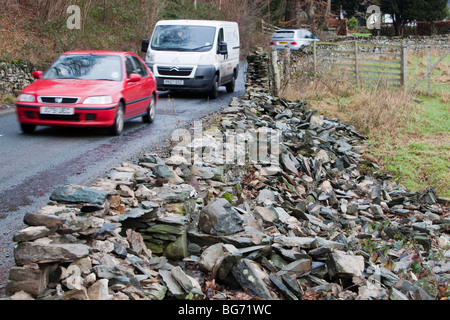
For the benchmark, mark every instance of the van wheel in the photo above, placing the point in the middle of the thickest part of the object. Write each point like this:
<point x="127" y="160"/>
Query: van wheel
<point x="214" y="93"/>
<point x="117" y="128"/>
<point x="231" y="85"/>
<point x="151" y="112"/>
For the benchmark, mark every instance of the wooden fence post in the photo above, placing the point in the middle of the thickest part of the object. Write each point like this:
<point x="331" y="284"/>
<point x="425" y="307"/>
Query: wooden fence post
<point x="315" y="56"/>
<point x="286" y="66"/>
<point x="429" y="67"/>
<point x="275" y="70"/>
<point x="404" y="62"/>
<point x="356" y="64"/>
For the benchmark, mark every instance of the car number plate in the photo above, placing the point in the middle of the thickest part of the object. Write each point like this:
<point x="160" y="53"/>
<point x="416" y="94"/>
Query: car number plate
<point x="57" y="110"/>
<point x="175" y="82"/>
<point x="282" y="42"/>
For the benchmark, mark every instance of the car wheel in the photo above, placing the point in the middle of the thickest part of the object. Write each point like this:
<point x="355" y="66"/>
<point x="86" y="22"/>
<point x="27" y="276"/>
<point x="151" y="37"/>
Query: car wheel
<point x="117" y="128"/>
<point x="214" y="92"/>
<point x="27" y="128"/>
<point x="231" y="85"/>
<point x="151" y="111"/>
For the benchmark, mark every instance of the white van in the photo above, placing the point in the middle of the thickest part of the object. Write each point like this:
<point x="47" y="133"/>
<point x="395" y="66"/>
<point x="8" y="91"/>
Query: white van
<point x="194" y="55"/>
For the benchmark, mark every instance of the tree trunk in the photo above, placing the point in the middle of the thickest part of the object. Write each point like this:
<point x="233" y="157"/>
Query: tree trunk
<point x="310" y="11"/>
<point x="291" y="11"/>
<point x="398" y="25"/>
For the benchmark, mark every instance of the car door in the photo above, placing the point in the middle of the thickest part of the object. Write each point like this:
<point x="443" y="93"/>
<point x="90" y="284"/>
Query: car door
<point x="145" y="85"/>
<point x="132" y="90"/>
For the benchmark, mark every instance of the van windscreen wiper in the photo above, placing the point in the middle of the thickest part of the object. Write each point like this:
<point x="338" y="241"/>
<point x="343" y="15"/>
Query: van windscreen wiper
<point x="205" y="46"/>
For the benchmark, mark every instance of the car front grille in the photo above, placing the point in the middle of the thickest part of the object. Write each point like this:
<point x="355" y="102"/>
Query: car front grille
<point x="175" y="71"/>
<point x="74" y="117"/>
<point x="59" y="100"/>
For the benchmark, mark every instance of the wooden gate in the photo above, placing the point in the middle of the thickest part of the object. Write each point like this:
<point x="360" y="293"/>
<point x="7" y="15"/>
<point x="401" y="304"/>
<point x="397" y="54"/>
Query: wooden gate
<point x="361" y="64"/>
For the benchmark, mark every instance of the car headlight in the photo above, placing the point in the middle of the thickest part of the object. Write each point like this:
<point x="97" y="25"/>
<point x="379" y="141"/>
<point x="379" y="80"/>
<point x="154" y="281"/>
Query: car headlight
<point x="98" y="100"/>
<point x="27" y="98"/>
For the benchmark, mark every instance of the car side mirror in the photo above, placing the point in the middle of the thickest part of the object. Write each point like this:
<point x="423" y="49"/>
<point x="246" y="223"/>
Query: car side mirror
<point x="223" y="48"/>
<point x="144" y="45"/>
<point x="37" y="74"/>
<point x="134" y="77"/>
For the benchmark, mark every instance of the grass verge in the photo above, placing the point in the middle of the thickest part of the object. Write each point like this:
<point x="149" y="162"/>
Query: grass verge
<point x="409" y="133"/>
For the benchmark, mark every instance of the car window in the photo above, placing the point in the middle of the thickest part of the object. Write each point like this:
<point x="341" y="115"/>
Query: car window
<point x="86" y="67"/>
<point x="129" y="66"/>
<point x="140" y="68"/>
<point x="304" y="34"/>
<point x="308" y="35"/>
<point x="283" y="34"/>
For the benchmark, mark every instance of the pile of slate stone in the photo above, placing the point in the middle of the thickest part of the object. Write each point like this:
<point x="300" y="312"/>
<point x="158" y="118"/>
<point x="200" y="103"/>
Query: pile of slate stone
<point x="258" y="79"/>
<point x="315" y="219"/>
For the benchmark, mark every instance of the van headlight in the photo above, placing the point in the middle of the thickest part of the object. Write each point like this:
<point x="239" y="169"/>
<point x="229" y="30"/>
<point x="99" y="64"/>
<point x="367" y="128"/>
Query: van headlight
<point x="26" y="98"/>
<point x="98" y="100"/>
<point x="150" y="57"/>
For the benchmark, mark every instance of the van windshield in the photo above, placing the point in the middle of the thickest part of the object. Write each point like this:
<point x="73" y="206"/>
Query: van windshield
<point x="183" y="38"/>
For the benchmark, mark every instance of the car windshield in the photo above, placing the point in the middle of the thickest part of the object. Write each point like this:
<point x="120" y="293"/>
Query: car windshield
<point x="283" y="34"/>
<point x="86" y="67"/>
<point x="183" y="38"/>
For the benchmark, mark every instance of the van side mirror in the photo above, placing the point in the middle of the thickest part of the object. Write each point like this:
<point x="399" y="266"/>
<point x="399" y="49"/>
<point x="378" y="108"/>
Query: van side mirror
<point x="144" y="45"/>
<point x="223" y="48"/>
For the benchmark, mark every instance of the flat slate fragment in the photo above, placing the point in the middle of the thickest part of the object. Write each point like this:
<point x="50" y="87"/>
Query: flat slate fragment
<point x="78" y="194"/>
<point x="31" y="252"/>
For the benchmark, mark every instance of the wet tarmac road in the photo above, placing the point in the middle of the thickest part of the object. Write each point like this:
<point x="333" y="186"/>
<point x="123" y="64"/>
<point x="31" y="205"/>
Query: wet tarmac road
<point x="31" y="166"/>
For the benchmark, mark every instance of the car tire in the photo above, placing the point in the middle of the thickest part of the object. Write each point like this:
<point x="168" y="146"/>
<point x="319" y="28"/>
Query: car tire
<point x="27" y="128"/>
<point x="117" y="128"/>
<point x="231" y="85"/>
<point x="214" y="92"/>
<point x="151" y="111"/>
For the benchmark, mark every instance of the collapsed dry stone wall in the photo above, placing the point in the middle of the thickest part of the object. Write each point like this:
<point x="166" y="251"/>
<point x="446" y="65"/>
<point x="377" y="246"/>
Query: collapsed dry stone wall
<point x="414" y="43"/>
<point x="305" y="223"/>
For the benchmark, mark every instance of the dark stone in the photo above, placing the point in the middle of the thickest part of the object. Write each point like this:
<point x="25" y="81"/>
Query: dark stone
<point x="284" y="290"/>
<point x="49" y="221"/>
<point x="30" y="252"/>
<point x="162" y="171"/>
<point x="292" y="285"/>
<point x="79" y="194"/>
<point x="218" y="218"/>
<point x="120" y="250"/>
<point x="247" y="273"/>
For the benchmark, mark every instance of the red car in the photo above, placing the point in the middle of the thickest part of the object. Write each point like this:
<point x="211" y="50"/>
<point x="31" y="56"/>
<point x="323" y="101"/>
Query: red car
<point x="89" y="89"/>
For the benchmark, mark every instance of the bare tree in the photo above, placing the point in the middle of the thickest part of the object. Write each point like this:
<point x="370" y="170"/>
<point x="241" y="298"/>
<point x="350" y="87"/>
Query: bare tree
<point x="310" y="14"/>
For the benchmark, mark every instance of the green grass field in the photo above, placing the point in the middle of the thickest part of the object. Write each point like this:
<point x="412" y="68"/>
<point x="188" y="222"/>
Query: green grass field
<point x="409" y="133"/>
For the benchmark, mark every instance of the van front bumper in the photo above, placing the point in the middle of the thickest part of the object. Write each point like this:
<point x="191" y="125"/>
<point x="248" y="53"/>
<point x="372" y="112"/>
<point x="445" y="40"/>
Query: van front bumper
<point x="201" y="81"/>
